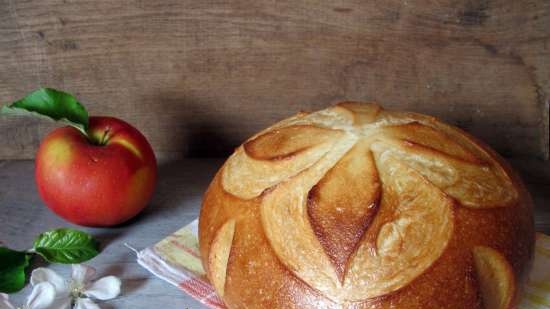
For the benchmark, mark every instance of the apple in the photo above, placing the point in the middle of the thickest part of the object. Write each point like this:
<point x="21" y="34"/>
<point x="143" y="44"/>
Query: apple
<point x="102" y="179"/>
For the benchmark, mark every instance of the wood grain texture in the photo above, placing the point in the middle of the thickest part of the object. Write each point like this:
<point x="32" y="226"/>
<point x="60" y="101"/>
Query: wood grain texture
<point x="176" y="203"/>
<point x="197" y="77"/>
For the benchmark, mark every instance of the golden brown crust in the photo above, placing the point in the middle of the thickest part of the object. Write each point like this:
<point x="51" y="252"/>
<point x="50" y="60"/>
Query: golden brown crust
<point x="359" y="207"/>
<point x="284" y="143"/>
<point x="339" y="218"/>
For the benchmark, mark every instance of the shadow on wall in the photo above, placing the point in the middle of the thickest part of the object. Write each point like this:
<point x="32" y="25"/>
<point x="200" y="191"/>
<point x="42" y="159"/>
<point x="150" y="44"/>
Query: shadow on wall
<point x="180" y="187"/>
<point x="208" y="140"/>
<point x="197" y="130"/>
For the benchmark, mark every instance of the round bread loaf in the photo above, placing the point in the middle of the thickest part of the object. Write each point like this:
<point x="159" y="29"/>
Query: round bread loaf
<point x="357" y="207"/>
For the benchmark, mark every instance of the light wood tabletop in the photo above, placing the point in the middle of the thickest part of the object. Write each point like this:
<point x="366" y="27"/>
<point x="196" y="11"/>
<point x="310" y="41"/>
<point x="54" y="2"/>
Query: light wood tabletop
<point x="176" y="203"/>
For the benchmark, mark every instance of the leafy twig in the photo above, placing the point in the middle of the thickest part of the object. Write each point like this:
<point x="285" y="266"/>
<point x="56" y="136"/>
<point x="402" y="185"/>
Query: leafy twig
<point x="66" y="246"/>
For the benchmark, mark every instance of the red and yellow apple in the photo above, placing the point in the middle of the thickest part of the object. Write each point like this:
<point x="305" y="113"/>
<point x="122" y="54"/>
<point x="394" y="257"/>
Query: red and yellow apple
<point x="100" y="180"/>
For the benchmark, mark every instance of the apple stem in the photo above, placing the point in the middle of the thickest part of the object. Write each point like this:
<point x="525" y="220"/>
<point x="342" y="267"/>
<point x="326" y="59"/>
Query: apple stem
<point x="105" y="137"/>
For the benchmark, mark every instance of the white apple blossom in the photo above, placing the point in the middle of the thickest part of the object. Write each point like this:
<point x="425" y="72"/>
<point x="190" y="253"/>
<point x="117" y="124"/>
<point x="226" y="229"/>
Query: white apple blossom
<point x="42" y="297"/>
<point x="80" y="289"/>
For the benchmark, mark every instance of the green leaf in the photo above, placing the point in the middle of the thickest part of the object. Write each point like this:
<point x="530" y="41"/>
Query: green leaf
<point x="53" y="104"/>
<point x="12" y="270"/>
<point x="66" y="246"/>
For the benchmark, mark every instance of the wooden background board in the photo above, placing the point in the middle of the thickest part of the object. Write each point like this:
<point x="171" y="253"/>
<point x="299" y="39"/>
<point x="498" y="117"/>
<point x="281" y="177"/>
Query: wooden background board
<point x="197" y="77"/>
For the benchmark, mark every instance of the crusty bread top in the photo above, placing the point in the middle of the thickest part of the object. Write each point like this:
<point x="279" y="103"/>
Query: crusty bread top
<point x="357" y="202"/>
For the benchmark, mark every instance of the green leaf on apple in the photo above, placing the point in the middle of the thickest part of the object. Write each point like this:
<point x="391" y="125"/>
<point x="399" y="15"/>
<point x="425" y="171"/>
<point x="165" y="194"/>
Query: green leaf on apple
<point x="54" y="104"/>
<point x="66" y="246"/>
<point x="12" y="270"/>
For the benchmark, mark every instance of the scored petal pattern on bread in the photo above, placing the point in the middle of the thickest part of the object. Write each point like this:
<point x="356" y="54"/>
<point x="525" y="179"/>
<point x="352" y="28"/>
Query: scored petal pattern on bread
<point x="340" y="217"/>
<point x="275" y="156"/>
<point x="476" y="185"/>
<point x="286" y="224"/>
<point x="219" y="255"/>
<point x="495" y="276"/>
<point x="355" y="201"/>
<point x="397" y="249"/>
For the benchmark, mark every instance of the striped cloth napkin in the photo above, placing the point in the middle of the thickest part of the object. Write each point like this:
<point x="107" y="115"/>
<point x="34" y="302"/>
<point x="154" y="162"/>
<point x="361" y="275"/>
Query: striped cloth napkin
<point x="176" y="259"/>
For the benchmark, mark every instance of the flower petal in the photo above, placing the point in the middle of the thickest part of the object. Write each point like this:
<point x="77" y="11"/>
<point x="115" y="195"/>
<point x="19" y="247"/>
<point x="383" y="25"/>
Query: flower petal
<point x="4" y="302"/>
<point x="42" y="274"/>
<point x="104" y="288"/>
<point x="82" y="274"/>
<point x="85" y="303"/>
<point x="42" y="296"/>
<point x="62" y="302"/>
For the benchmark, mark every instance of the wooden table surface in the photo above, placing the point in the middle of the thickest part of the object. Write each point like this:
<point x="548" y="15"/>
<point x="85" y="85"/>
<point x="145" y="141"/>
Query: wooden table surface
<point x="176" y="203"/>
